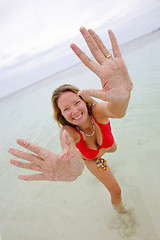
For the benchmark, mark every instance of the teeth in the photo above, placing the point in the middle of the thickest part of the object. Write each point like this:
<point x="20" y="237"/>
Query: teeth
<point x="78" y="117"/>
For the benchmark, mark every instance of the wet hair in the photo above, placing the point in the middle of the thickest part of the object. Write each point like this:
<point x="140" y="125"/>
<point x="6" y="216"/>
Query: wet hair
<point x="57" y="112"/>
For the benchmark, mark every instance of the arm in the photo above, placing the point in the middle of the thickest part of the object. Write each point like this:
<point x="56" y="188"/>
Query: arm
<point x="112" y="71"/>
<point x="107" y="110"/>
<point x="117" y="109"/>
<point x="114" y="109"/>
<point x="52" y="167"/>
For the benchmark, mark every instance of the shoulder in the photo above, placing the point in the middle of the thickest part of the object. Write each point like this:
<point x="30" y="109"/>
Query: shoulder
<point x="99" y="111"/>
<point x="72" y="132"/>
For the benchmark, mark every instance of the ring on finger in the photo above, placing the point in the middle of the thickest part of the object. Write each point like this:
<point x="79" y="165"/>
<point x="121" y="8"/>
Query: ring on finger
<point x="108" y="55"/>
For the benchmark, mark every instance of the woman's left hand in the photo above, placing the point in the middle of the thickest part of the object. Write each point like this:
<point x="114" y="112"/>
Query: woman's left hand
<point x="112" y="70"/>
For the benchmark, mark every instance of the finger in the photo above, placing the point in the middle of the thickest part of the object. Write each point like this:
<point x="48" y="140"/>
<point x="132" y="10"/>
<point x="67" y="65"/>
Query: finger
<point x="34" y="177"/>
<point x="67" y="139"/>
<point x="41" y="152"/>
<point x="93" y="66"/>
<point x="115" y="47"/>
<point x="30" y="166"/>
<point x="105" y="96"/>
<point x="26" y="156"/>
<point x="96" y="52"/>
<point x="99" y="42"/>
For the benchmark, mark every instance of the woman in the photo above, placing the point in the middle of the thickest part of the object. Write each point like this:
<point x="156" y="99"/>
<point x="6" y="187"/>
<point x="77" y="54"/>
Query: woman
<point x="85" y="123"/>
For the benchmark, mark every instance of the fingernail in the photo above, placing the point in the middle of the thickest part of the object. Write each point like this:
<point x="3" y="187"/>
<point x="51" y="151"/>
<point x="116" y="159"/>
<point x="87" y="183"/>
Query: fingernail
<point x="72" y="45"/>
<point x="10" y="150"/>
<point x="10" y="161"/>
<point x="66" y="135"/>
<point x="21" y="177"/>
<point x="82" y="29"/>
<point x="21" y="141"/>
<point x="90" y="30"/>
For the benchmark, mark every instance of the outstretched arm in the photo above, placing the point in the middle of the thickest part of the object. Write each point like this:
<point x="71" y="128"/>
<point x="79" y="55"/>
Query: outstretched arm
<point x="112" y="71"/>
<point x="52" y="167"/>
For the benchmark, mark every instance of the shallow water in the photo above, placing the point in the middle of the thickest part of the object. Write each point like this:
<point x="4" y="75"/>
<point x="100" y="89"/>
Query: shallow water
<point x="82" y="209"/>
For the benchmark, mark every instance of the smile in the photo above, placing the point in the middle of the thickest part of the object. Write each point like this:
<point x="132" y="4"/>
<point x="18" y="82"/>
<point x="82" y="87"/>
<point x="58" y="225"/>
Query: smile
<point x="76" y="118"/>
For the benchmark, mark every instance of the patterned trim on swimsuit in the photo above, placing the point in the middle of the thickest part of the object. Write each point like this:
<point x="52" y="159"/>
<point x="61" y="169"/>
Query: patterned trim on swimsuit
<point x="101" y="163"/>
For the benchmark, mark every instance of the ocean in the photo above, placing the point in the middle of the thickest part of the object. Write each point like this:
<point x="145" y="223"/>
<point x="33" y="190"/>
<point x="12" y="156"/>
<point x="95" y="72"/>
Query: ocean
<point x="82" y="209"/>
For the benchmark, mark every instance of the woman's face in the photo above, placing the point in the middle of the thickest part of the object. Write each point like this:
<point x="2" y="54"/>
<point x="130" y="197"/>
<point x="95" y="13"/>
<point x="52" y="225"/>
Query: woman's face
<point x="72" y="107"/>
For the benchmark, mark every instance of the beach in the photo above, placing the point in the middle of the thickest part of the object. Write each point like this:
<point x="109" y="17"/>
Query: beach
<point x="82" y="209"/>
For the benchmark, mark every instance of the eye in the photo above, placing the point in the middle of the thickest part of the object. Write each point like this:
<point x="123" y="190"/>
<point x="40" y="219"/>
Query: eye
<point x="77" y="102"/>
<point x="65" y="109"/>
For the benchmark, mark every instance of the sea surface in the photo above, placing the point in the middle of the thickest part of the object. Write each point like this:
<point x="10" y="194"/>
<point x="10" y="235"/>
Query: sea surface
<point x="82" y="209"/>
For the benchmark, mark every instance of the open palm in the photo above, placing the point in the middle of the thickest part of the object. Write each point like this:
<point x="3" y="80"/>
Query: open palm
<point x="52" y="167"/>
<point x="115" y="79"/>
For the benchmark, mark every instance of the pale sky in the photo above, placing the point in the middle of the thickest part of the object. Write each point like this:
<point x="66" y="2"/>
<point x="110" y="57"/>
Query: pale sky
<point x="36" y="34"/>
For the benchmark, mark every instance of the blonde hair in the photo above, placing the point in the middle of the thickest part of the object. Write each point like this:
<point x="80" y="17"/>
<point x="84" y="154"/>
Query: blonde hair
<point x="55" y="96"/>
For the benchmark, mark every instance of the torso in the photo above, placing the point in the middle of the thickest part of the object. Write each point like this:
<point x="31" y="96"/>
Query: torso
<point x="93" y="143"/>
<point x="101" y="141"/>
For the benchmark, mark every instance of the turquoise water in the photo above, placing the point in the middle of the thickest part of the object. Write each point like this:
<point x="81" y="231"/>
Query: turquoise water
<point x="82" y="209"/>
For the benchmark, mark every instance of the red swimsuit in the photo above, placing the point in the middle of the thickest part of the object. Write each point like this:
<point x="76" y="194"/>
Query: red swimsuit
<point x="107" y="142"/>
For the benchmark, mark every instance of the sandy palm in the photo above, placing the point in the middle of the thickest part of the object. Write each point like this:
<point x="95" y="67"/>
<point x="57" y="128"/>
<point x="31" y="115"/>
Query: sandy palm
<point x="115" y="80"/>
<point x="53" y="167"/>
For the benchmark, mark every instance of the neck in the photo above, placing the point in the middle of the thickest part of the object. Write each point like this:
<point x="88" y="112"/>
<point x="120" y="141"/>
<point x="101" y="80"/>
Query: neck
<point x="87" y="125"/>
<point x="89" y="130"/>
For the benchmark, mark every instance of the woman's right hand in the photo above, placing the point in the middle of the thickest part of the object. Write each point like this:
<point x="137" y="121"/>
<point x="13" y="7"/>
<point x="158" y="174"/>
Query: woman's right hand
<point x="52" y="167"/>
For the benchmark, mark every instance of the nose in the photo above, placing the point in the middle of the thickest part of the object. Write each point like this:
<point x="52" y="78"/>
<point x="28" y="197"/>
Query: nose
<point x="74" y="110"/>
